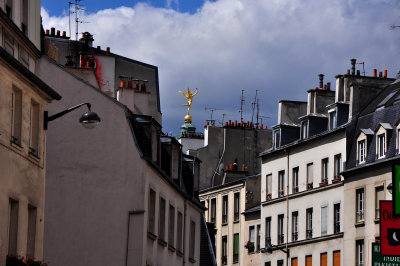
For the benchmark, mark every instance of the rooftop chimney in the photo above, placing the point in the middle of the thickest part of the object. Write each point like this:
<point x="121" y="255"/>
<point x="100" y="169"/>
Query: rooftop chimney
<point x="53" y="31"/>
<point x="321" y="80"/>
<point x="353" y="66"/>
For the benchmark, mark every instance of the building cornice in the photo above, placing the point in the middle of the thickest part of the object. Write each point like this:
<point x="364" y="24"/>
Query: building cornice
<point x="302" y="193"/>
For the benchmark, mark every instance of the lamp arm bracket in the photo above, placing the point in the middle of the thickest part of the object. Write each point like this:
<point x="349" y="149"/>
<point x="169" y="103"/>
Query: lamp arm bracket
<point x="48" y="118"/>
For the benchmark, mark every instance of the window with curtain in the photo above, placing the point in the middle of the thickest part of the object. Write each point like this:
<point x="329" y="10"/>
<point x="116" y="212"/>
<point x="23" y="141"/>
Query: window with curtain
<point x="310" y="176"/>
<point x="236" y="198"/>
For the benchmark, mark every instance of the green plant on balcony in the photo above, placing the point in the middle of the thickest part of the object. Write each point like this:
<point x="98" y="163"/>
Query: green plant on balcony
<point x="250" y="246"/>
<point x="13" y="260"/>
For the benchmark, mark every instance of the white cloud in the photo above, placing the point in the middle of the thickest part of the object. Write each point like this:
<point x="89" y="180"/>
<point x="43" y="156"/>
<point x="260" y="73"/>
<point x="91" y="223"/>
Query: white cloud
<point x="278" y="46"/>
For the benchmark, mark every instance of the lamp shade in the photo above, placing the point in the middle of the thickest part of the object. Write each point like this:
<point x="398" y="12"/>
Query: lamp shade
<point x="90" y="119"/>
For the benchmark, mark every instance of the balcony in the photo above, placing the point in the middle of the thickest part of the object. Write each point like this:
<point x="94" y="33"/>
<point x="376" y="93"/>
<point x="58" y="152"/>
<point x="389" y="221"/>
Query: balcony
<point x="309" y="233"/>
<point x="336" y="227"/>
<point x="295" y="236"/>
<point x="281" y="239"/>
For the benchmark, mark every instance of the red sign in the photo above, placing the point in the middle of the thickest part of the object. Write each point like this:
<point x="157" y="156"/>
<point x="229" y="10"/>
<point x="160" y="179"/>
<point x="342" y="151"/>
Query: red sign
<point x="390" y="230"/>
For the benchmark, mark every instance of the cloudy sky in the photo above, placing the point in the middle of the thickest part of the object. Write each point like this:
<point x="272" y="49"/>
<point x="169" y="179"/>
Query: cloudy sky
<point x="225" y="46"/>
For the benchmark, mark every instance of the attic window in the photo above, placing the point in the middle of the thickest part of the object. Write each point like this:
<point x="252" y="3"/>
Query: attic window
<point x="277" y="138"/>
<point x="381" y="146"/>
<point x="332" y="120"/>
<point x="304" y="129"/>
<point x="387" y="98"/>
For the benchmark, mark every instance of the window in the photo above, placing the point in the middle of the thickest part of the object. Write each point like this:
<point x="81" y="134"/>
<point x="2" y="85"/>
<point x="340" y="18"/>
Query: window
<point x="309" y="260"/>
<point x="257" y="246"/>
<point x="224" y="250"/>
<point x="295" y="180"/>
<point x="34" y="130"/>
<point x="279" y="263"/>
<point x="8" y="43"/>
<point x="171" y="226"/>
<point x="310" y="176"/>
<point x="361" y="151"/>
<point x="294" y="262"/>
<point x="192" y="241"/>
<point x="24" y="23"/>
<point x="381" y="146"/>
<point x="324" y="220"/>
<point x="295" y="226"/>
<point x="235" y="248"/>
<point x="309" y="220"/>
<point x="379" y="195"/>
<point x="213" y="210"/>
<point x="179" y="234"/>
<point x="337" y="168"/>
<point x="277" y="138"/>
<point x="360" y="205"/>
<point x="281" y="237"/>
<point x="360" y="252"/>
<point x="324" y="170"/>
<point x="161" y="220"/>
<point x="332" y="120"/>
<point x="23" y="56"/>
<point x="236" y="198"/>
<point x="152" y="211"/>
<point x="252" y="235"/>
<point x="225" y="209"/>
<point x="336" y="218"/>
<point x="269" y="186"/>
<point x="323" y="259"/>
<point x="30" y="247"/>
<point x="336" y="258"/>
<point x="268" y="263"/>
<point x="12" y="226"/>
<point x="268" y="231"/>
<point x="9" y="6"/>
<point x="304" y="129"/>
<point x="281" y="183"/>
<point x="16" y="116"/>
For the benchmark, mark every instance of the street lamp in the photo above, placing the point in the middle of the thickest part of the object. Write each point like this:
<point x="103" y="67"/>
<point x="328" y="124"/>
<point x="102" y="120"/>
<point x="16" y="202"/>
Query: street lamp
<point x="89" y="119"/>
<point x="389" y="188"/>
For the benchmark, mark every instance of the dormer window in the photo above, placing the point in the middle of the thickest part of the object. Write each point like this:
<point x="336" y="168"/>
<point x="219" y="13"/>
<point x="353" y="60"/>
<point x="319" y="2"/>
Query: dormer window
<point x="332" y="120"/>
<point x="304" y="129"/>
<point x="277" y="138"/>
<point x="381" y="148"/>
<point x="361" y="151"/>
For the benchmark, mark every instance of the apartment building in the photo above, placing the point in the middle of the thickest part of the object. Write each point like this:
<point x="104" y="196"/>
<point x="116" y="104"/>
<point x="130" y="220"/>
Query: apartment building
<point x="226" y="205"/>
<point x="23" y="99"/>
<point x="124" y="194"/>
<point x="373" y="149"/>
<point x="302" y="191"/>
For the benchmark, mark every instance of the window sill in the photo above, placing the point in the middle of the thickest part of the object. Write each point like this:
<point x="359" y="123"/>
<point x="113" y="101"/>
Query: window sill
<point x="16" y="144"/>
<point x="179" y="253"/>
<point x="34" y="156"/>
<point x="224" y="224"/>
<point x="236" y="222"/>
<point x="162" y="242"/>
<point x="376" y="220"/>
<point x="359" y="224"/>
<point x="171" y="248"/>
<point x="151" y="236"/>
<point x="192" y="260"/>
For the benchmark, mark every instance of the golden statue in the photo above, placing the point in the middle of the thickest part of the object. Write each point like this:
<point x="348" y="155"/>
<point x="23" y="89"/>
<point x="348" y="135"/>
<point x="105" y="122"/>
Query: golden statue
<point x="189" y="95"/>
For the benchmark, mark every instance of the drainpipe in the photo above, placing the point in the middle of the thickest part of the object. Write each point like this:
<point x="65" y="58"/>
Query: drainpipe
<point x="287" y="207"/>
<point x="130" y="213"/>
<point x="220" y="159"/>
<point x="184" y="233"/>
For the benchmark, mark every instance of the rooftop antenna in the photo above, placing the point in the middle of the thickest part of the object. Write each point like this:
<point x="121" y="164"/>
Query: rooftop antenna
<point x="223" y="118"/>
<point x="211" y="109"/>
<point x="263" y="116"/>
<point x="241" y="107"/>
<point x="362" y="63"/>
<point x="77" y="7"/>
<point x="253" y="105"/>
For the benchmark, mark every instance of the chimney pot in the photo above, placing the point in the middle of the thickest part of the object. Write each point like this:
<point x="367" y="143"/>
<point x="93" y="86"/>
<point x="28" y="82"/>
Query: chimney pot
<point x="53" y="31"/>
<point x="235" y="123"/>
<point x="385" y="73"/>
<point x="348" y="71"/>
<point x="380" y="74"/>
<point x="47" y="32"/>
<point x="321" y="80"/>
<point x="226" y="123"/>
<point x="107" y="50"/>
<point x="64" y="34"/>
<point x="358" y="72"/>
<point x="353" y="66"/>
<point x="58" y="33"/>
<point x="328" y="86"/>
<point x="374" y="72"/>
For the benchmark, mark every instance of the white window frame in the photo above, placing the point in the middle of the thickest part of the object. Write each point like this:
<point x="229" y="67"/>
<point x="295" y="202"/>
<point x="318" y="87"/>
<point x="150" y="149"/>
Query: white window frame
<point x="381" y="145"/>
<point x="361" y="148"/>
<point x="360" y="205"/>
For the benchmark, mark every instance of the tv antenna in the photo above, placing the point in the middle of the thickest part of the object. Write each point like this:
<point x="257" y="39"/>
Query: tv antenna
<point x="77" y="7"/>
<point x="223" y="118"/>
<point x="262" y="116"/>
<point x="362" y="63"/>
<point x="241" y="107"/>
<point x="254" y="105"/>
<point x="211" y="109"/>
